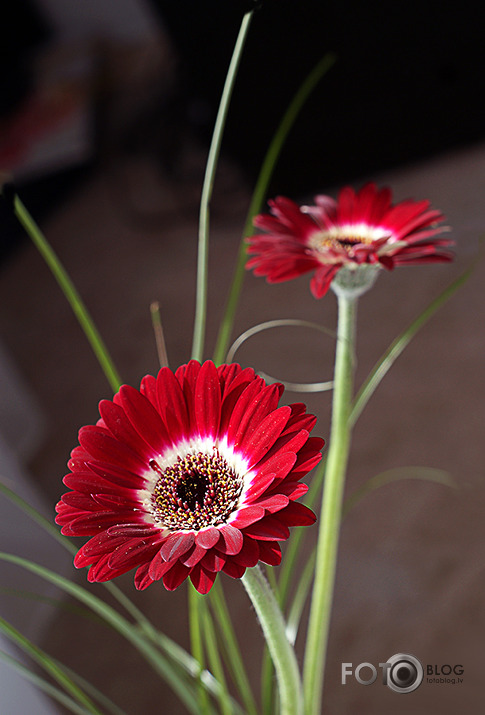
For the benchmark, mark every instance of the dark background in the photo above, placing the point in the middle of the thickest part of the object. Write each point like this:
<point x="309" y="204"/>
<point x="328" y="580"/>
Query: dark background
<point x="407" y="82"/>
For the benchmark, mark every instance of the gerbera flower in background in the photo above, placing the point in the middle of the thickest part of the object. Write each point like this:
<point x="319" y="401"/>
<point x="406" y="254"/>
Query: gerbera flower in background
<point x="359" y="228"/>
<point x="195" y="473"/>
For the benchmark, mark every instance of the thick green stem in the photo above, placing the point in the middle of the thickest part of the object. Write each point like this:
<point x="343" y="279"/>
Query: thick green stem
<point x="331" y="511"/>
<point x="274" y="629"/>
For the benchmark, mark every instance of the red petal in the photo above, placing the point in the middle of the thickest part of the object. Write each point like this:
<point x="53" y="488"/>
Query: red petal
<point x="261" y="406"/>
<point x="121" y="428"/>
<point x="142" y="579"/>
<point x="265" y="435"/>
<point x="247" y="515"/>
<point x="233" y="569"/>
<point x="83" y="502"/>
<point x="207" y="538"/>
<point x="176" y="545"/>
<point x="158" y="567"/>
<point x="133" y="552"/>
<point x="260" y="484"/>
<point x="297" y="514"/>
<point x="233" y="539"/>
<point x="172" y="405"/>
<point x="97" y="546"/>
<point x="279" y="465"/>
<point x="232" y="390"/>
<point x="202" y="579"/>
<point x="193" y="556"/>
<point x="213" y="560"/>
<point x="117" y="475"/>
<point x="249" y="554"/>
<point x="238" y="417"/>
<point x="105" y="448"/>
<point x="270" y="552"/>
<point x="93" y="522"/>
<point x="89" y="483"/>
<point x="274" y="503"/>
<point x="320" y="283"/>
<point x="207" y="402"/>
<point x="131" y="531"/>
<point x="144" y="418"/>
<point x="173" y="578"/>
<point x="269" y="528"/>
<point x="293" y="490"/>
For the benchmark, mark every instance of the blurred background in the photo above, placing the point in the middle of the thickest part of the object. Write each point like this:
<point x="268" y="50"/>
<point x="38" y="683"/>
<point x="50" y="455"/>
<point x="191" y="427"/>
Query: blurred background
<point x="106" y="113"/>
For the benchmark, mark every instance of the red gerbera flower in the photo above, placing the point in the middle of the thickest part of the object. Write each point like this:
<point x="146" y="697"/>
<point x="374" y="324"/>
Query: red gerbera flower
<point x="359" y="228"/>
<point x="198" y="472"/>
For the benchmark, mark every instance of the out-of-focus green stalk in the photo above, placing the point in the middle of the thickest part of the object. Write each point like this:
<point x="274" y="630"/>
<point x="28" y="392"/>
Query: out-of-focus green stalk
<point x="49" y="665"/>
<point x="234" y="659"/>
<point x="73" y="297"/>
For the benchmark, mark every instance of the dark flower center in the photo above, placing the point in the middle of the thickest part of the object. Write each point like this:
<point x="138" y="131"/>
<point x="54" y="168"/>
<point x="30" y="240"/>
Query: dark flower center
<point x="350" y="241"/>
<point x="192" y="490"/>
<point x="197" y="491"/>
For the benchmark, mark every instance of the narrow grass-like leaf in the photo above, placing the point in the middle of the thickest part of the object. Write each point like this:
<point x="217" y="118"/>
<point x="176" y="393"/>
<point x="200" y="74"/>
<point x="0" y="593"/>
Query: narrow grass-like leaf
<point x="196" y="611"/>
<point x="57" y="603"/>
<point x="259" y="194"/>
<point x="210" y="172"/>
<point x="172" y="649"/>
<point x="427" y="474"/>
<point x="385" y="363"/>
<point x="70" y="292"/>
<point x="44" y="685"/>
<point x="178" y="681"/>
<point x="54" y="531"/>
<point x="232" y="651"/>
<point x="49" y="665"/>
<point x="215" y="662"/>
<point x="108" y="705"/>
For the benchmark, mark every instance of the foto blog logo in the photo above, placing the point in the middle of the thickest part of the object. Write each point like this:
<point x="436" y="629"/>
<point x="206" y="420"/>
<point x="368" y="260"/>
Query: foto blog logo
<point x="402" y="673"/>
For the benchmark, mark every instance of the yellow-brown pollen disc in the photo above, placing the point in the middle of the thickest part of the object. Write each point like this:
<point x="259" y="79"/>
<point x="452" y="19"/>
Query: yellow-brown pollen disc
<point x="322" y="240"/>
<point x="197" y="491"/>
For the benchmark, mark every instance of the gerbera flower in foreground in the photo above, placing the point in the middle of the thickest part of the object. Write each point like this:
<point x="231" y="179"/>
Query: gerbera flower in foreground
<point x="359" y="228"/>
<point x="198" y="472"/>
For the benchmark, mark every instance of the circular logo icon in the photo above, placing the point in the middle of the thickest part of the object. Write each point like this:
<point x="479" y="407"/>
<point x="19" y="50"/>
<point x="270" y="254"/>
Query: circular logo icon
<point x="405" y="673"/>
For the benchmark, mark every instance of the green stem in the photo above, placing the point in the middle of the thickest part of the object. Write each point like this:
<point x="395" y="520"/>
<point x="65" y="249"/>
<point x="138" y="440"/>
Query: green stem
<point x="73" y="297"/>
<point x="274" y="629"/>
<point x="331" y="511"/>
<point x="203" y="250"/>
